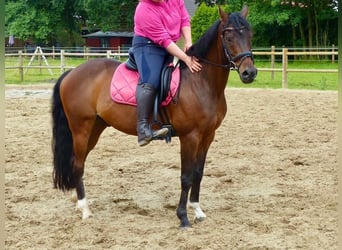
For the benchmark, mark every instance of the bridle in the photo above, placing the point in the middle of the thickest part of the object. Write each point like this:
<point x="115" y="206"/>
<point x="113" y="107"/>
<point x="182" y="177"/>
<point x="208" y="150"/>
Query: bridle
<point x="242" y="56"/>
<point x="232" y="61"/>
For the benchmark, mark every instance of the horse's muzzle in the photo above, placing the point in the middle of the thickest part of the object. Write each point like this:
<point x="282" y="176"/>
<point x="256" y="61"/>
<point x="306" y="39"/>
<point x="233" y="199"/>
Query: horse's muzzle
<point x="248" y="75"/>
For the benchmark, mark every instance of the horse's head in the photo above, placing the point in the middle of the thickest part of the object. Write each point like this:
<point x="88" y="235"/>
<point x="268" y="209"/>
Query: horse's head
<point x="236" y="40"/>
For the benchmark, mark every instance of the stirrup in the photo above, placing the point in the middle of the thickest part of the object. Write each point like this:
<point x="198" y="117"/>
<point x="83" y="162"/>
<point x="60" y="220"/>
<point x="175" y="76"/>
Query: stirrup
<point x="160" y="132"/>
<point x="155" y="134"/>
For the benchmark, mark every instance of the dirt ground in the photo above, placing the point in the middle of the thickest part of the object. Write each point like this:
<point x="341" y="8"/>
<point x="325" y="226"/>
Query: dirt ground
<point x="270" y="180"/>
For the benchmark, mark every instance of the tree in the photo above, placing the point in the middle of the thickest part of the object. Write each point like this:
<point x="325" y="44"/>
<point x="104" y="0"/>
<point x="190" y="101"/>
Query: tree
<point x="206" y="15"/>
<point x="46" y="22"/>
<point x="274" y="22"/>
<point x="111" y="14"/>
<point x="210" y="2"/>
<point x="201" y="21"/>
<point x="283" y="22"/>
<point x="25" y="21"/>
<point x="300" y="22"/>
<point x="41" y="21"/>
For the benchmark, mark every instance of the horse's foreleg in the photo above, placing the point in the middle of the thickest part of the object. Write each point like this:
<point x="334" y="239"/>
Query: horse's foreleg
<point x="197" y="178"/>
<point x="199" y="214"/>
<point x="189" y="146"/>
<point x="195" y="190"/>
<point x="186" y="180"/>
<point x="190" y="178"/>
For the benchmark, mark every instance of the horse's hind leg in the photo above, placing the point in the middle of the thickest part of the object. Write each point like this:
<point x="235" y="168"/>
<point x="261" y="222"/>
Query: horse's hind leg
<point x="82" y="202"/>
<point x="80" y="152"/>
<point x="83" y="144"/>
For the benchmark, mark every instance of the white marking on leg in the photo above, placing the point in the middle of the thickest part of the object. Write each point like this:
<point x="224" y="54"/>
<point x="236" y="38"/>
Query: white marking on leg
<point x="83" y="206"/>
<point x="199" y="215"/>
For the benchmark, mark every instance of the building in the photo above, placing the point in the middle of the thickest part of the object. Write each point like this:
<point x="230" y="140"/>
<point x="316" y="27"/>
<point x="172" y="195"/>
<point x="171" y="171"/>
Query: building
<point x="110" y="40"/>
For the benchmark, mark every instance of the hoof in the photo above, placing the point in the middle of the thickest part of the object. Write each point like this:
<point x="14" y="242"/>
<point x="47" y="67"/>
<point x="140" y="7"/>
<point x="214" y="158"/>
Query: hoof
<point x="87" y="215"/>
<point x="185" y="225"/>
<point x="199" y="219"/>
<point x="183" y="228"/>
<point x="82" y="205"/>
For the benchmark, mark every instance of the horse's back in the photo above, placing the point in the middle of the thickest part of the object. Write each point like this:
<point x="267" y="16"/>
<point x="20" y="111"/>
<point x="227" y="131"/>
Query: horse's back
<point x="82" y="87"/>
<point x="92" y="74"/>
<point x="85" y="94"/>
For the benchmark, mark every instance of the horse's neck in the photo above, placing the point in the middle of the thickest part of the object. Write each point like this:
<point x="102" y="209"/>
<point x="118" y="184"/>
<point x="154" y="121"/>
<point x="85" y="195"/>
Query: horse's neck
<point x="216" y="52"/>
<point x="216" y="72"/>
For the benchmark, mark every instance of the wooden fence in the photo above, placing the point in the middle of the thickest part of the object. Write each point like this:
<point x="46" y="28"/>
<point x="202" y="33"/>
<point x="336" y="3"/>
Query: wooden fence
<point x="62" y="54"/>
<point x="285" y="53"/>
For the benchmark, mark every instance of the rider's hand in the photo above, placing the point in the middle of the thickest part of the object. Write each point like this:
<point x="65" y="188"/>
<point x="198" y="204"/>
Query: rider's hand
<point x="193" y="64"/>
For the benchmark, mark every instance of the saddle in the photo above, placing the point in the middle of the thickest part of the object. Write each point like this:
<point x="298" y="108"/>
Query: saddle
<point x="166" y="75"/>
<point x="169" y="66"/>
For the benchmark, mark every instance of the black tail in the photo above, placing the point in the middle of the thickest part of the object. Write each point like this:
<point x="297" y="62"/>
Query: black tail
<point x="62" y="144"/>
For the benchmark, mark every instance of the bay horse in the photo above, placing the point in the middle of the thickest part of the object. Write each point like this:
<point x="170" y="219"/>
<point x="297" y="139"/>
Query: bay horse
<point x="82" y="108"/>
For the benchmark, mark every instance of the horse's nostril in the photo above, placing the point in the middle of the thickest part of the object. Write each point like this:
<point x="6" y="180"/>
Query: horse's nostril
<point x="249" y="73"/>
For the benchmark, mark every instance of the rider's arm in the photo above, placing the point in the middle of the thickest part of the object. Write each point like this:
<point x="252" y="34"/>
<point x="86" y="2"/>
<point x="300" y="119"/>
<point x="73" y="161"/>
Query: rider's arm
<point x="186" y="32"/>
<point x="191" y="62"/>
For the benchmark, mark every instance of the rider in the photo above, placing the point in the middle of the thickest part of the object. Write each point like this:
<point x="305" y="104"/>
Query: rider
<point x="158" y="24"/>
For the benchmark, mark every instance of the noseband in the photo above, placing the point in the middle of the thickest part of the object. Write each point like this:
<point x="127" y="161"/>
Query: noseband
<point x="232" y="61"/>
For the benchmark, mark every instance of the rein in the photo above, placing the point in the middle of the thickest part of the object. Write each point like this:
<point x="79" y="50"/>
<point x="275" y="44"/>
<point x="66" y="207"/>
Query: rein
<point x="232" y="65"/>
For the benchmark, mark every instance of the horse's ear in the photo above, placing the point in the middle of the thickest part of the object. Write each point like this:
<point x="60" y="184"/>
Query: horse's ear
<point x="244" y="11"/>
<point x="223" y="15"/>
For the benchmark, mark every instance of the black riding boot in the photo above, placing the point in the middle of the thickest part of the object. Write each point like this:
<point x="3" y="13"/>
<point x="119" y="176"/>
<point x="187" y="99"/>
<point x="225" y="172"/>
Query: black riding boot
<point x="145" y="96"/>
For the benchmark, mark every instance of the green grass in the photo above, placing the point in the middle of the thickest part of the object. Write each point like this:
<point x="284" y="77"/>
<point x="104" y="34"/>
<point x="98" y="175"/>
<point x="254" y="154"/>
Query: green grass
<point x="296" y="80"/>
<point x="36" y="76"/>
<point x="315" y="81"/>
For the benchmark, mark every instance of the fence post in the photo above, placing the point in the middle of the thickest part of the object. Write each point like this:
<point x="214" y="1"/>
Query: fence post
<point x="84" y="52"/>
<point x="272" y="61"/>
<point x="62" y="61"/>
<point x="333" y="55"/>
<point x="108" y="53"/>
<point x="53" y="52"/>
<point x="87" y="51"/>
<point x="21" y="63"/>
<point x="40" y="63"/>
<point x="285" y="62"/>
<point x="119" y="52"/>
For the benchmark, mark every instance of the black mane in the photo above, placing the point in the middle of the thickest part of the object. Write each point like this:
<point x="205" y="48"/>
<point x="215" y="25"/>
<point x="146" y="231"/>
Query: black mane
<point x="201" y="47"/>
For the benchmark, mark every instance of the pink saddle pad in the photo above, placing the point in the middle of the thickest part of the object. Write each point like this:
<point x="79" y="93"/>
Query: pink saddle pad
<point x="124" y="84"/>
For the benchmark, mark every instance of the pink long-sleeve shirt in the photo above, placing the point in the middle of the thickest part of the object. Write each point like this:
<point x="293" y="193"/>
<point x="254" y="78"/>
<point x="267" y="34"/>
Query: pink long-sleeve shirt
<point x="161" y="22"/>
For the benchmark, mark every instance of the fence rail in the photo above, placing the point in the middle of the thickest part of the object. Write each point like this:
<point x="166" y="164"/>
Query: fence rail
<point x="62" y="54"/>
